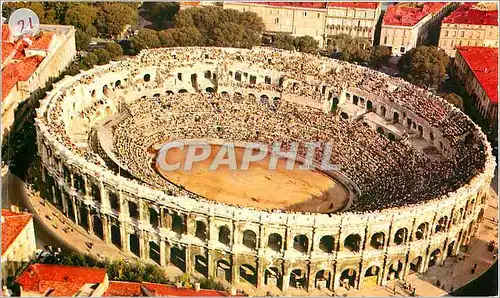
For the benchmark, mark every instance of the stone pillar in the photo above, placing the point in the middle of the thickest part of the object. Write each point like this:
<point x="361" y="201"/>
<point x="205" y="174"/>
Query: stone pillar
<point x="124" y="237"/>
<point x="90" y="224"/>
<point x="75" y="209"/>
<point x="144" y="245"/>
<point x="163" y="261"/>
<point x="168" y="221"/>
<point x="189" y="259"/>
<point x="161" y="223"/>
<point x="286" y="278"/>
<point x="260" y="273"/>
<point x="64" y="202"/>
<point x="106" y="229"/>
<point x="211" y="264"/>
<point x="235" y="274"/>
<point x="167" y="252"/>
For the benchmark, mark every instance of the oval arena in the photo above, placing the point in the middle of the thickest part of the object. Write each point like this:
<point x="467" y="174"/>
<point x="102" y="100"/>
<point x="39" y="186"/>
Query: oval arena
<point x="414" y="170"/>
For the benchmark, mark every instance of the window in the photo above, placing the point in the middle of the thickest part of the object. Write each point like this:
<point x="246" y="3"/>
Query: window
<point x="402" y="49"/>
<point x="305" y="13"/>
<point x="319" y="15"/>
<point x="385" y="40"/>
<point x="445" y="32"/>
<point x="462" y="34"/>
<point x="277" y="20"/>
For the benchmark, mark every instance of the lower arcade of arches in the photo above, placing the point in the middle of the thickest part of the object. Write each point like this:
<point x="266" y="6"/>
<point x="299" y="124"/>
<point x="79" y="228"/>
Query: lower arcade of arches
<point x="351" y="267"/>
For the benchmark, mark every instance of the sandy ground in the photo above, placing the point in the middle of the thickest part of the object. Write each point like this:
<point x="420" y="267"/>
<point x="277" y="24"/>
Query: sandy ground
<point x="259" y="187"/>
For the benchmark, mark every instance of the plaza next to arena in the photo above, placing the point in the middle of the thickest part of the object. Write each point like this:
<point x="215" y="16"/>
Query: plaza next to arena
<point x="417" y="170"/>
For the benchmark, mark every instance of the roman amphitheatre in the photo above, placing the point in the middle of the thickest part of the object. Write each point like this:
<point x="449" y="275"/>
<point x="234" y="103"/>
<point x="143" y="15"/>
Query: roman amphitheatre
<point x="411" y="187"/>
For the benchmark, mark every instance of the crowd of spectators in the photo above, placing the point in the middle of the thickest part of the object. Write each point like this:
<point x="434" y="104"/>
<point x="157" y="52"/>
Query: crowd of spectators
<point x="388" y="173"/>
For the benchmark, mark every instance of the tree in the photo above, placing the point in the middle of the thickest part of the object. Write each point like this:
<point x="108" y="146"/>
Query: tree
<point x="455" y="100"/>
<point x="284" y="41"/>
<point x="180" y="37"/>
<point x="306" y="44"/>
<point x="90" y="60"/>
<point x="424" y="66"/>
<point x="145" y="39"/>
<point x="379" y="56"/>
<point x="162" y="13"/>
<point x="114" y="49"/>
<point x="82" y="40"/>
<point x="103" y="56"/>
<point x="350" y="49"/>
<point x="81" y="15"/>
<point x="113" y="17"/>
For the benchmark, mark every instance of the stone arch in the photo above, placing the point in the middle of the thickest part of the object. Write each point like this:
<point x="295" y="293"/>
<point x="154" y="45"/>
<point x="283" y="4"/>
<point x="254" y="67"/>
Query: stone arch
<point x="355" y="100"/>
<point x="252" y="96"/>
<point x="395" y="117"/>
<point x="79" y="183"/>
<point x="380" y="130"/>
<point x="154" y="252"/>
<point x="179" y="224"/>
<point x="344" y="115"/>
<point x="353" y="242"/>
<point x="377" y="240"/>
<point x="250" y="239"/>
<point x="210" y="89"/>
<point x="441" y="225"/>
<point x="98" y="227"/>
<point x="449" y="251"/>
<point x="480" y="215"/>
<point x="178" y="257"/>
<point x="201" y="230"/>
<point x="93" y="93"/>
<point x="224" y="93"/>
<point x="416" y="265"/>
<point x="157" y="95"/>
<point x="348" y="277"/>
<point x="264" y="99"/>
<point x="275" y="242"/>
<point x="323" y="279"/>
<point x="135" y="246"/>
<point x="372" y="276"/>
<point x="147" y="77"/>
<point x="401" y="236"/>
<point x="113" y="201"/>
<point x="224" y="235"/>
<point x="208" y="74"/>
<point x="118" y="83"/>
<point x="237" y="96"/>
<point x="133" y="210"/>
<point x="369" y="105"/>
<point x="267" y="79"/>
<point x="201" y="265"/>
<point x="253" y="79"/>
<point x="273" y="277"/>
<point x="298" y="278"/>
<point x="96" y="193"/>
<point x="301" y="243"/>
<point x="169" y="92"/>
<point x="434" y="257"/>
<point x="223" y="270"/>
<point x="182" y="91"/>
<point x="382" y="111"/>
<point x="237" y="76"/>
<point x="421" y="232"/>
<point x="154" y="218"/>
<point x="395" y="270"/>
<point x="116" y="236"/>
<point x="249" y="274"/>
<point x="327" y="244"/>
<point x="391" y="136"/>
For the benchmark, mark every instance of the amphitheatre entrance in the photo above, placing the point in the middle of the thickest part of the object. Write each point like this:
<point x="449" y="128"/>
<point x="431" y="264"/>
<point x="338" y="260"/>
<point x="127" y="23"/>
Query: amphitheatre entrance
<point x="258" y="187"/>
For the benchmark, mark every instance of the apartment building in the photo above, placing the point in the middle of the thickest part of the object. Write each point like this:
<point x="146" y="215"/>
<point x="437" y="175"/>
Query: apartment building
<point x="477" y="68"/>
<point x="472" y="24"/>
<point x="409" y="24"/>
<point x="294" y="18"/>
<point x="29" y="63"/>
<point x="356" y="19"/>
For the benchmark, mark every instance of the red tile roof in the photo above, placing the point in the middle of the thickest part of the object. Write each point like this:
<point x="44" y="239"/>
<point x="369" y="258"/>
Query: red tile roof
<point x="483" y="61"/>
<point x="408" y="16"/>
<point x="363" y="5"/>
<point x="467" y="14"/>
<point x="18" y="71"/>
<point x="124" y="289"/>
<point x="293" y="4"/>
<point x="43" y="41"/>
<point x="13" y="224"/>
<point x="59" y="280"/>
<point x="166" y="290"/>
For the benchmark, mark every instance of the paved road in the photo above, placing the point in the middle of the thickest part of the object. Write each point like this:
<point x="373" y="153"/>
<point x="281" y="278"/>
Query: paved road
<point x="14" y="192"/>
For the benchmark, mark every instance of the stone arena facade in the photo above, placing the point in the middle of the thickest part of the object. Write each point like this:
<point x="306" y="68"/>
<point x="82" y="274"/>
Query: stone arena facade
<point x="263" y="248"/>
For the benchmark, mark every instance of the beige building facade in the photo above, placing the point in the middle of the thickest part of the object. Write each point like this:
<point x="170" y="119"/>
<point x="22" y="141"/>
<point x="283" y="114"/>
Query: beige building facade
<point x="356" y="19"/>
<point x="296" y="19"/>
<point x="405" y="27"/>
<point x="470" y="25"/>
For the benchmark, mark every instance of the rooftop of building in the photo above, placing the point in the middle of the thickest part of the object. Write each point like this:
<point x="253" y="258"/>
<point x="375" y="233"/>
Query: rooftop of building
<point x="408" y="14"/>
<point x="129" y="289"/>
<point x="483" y="61"/>
<point x="16" y="64"/>
<point x="474" y="13"/>
<point x="58" y="280"/>
<point x="360" y="5"/>
<point x="12" y="225"/>
<point x="124" y="289"/>
<point x="315" y="5"/>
